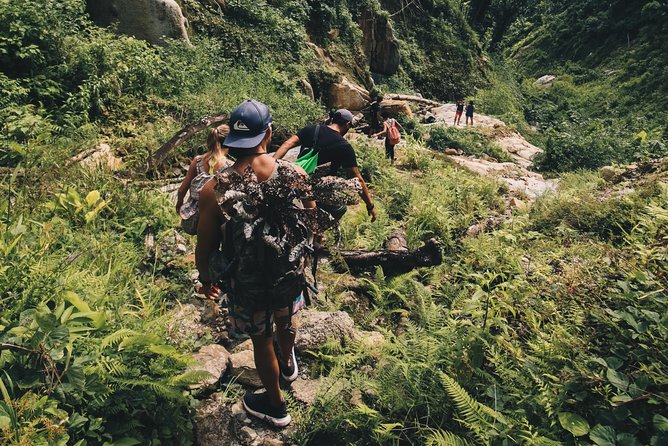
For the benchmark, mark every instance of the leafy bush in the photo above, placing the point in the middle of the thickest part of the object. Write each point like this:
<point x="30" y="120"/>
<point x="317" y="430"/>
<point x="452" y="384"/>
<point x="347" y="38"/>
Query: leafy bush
<point x="469" y="141"/>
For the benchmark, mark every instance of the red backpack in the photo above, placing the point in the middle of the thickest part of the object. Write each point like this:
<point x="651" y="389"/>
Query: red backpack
<point x="393" y="135"/>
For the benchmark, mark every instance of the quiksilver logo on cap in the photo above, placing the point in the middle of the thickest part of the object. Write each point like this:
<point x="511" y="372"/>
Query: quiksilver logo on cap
<point x="239" y="125"/>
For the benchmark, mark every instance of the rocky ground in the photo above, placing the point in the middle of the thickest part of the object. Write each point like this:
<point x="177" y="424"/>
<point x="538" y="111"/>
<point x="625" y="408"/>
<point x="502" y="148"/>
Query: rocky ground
<point x="516" y="174"/>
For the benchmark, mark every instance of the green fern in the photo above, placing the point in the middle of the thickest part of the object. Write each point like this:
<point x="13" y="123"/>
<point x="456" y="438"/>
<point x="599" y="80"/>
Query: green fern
<point x="477" y="417"/>
<point x="445" y="438"/>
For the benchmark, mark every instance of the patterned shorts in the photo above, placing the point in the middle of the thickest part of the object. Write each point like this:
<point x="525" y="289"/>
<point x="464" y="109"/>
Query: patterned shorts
<point x="255" y="323"/>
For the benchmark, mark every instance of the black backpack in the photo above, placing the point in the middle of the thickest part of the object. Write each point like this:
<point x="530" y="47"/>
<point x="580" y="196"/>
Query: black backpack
<point x="267" y="239"/>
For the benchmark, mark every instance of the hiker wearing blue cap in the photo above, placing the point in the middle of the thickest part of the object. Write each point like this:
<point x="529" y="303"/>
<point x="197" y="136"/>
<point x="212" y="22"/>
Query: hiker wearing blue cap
<point x="248" y="208"/>
<point x="327" y="144"/>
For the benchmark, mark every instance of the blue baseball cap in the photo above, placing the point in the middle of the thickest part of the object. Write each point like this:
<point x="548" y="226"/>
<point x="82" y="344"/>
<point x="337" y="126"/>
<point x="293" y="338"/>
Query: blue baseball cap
<point x="249" y="123"/>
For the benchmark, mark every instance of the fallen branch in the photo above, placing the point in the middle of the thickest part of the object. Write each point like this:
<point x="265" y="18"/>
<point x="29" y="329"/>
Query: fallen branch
<point x="392" y="262"/>
<point x="182" y="136"/>
<point x="404" y="97"/>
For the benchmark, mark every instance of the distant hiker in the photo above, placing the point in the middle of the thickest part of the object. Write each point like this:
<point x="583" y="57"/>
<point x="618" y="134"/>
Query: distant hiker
<point x="469" y="112"/>
<point x="458" y="113"/>
<point x="392" y="136"/>
<point x="201" y="169"/>
<point x="321" y="145"/>
<point x="260" y="209"/>
<point x="375" y="115"/>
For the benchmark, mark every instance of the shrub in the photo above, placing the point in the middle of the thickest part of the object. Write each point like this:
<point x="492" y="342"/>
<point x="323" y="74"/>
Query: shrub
<point x="469" y="141"/>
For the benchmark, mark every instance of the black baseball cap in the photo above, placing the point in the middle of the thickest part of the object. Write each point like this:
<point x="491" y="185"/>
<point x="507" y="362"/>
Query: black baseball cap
<point x="343" y="115"/>
<point x="249" y="122"/>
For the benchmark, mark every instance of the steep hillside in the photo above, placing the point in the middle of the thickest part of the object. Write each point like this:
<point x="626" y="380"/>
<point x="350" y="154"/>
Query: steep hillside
<point x="544" y="324"/>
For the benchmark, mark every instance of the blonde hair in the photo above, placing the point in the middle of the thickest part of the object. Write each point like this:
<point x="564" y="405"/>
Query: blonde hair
<point x="214" y="143"/>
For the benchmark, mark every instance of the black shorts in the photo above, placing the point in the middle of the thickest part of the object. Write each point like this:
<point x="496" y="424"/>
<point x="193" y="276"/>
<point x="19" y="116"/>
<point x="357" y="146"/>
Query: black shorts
<point x="389" y="149"/>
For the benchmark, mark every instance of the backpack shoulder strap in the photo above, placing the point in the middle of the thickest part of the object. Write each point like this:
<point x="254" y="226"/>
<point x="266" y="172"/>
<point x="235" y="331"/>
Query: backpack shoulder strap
<point x="200" y="167"/>
<point x="315" y="137"/>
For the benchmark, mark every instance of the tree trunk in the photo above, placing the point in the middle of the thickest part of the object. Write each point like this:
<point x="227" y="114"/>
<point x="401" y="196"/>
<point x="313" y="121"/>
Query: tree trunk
<point x="392" y="262"/>
<point x="182" y="136"/>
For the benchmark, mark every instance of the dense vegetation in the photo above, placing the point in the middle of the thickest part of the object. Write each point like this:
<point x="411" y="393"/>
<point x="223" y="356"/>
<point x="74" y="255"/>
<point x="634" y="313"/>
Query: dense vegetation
<point x="546" y="329"/>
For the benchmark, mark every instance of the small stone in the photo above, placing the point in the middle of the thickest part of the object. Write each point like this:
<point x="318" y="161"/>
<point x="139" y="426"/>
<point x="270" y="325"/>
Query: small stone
<point x="248" y="434"/>
<point x="517" y="203"/>
<point x="269" y="441"/>
<point x="244" y="346"/>
<point x="238" y="410"/>
<point x="608" y="173"/>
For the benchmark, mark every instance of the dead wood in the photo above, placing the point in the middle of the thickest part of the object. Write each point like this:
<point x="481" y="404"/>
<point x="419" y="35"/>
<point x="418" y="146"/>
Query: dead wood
<point x="182" y="136"/>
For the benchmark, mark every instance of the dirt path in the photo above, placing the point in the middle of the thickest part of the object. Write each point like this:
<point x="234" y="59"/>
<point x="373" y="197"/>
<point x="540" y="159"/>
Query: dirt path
<point x="516" y="174"/>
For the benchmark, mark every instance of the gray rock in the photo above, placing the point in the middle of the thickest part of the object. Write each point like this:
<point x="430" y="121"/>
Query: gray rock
<point x="372" y="339"/>
<point x="346" y="94"/>
<point x="546" y="80"/>
<point x="102" y="158"/>
<point x="608" y="173"/>
<point x="248" y="435"/>
<point x="380" y="45"/>
<point x="316" y="327"/>
<point x="307" y="88"/>
<point x="243" y="369"/>
<point x="184" y="325"/>
<point x="214" y="359"/>
<point x="150" y="20"/>
<point x="306" y="390"/>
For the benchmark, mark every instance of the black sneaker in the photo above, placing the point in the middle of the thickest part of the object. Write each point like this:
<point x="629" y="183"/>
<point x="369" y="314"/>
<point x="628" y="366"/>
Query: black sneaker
<point x="290" y="372"/>
<point x="258" y="405"/>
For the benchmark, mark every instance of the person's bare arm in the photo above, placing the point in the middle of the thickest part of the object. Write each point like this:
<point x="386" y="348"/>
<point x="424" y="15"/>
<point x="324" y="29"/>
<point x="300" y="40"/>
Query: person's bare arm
<point x="185" y="184"/>
<point x="208" y="234"/>
<point x="292" y="141"/>
<point x="383" y="132"/>
<point x="366" y="196"/>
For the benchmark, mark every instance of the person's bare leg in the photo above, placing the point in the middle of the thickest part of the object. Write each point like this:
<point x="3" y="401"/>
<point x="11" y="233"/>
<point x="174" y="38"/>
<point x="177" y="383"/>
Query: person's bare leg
<point x="285" y="339"/>
<point x="267" y="367"/>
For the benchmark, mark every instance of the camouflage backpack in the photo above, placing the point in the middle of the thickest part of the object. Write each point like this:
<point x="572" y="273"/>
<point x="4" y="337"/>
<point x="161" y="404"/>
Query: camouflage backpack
<point x="267" y="237"/>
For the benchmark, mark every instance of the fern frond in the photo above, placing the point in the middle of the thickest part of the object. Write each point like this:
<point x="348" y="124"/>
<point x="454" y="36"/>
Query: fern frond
<point x="476" y="416"/>
<point x="117" y="337"/>
<point x="160" y="388"/>
<point x="192" y="377"/>
<point x="445" y="438"/>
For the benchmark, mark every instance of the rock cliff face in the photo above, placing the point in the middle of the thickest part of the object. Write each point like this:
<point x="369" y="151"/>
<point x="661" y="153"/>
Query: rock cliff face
<point x="380" y="45"/>
<point x="150" y="20"/>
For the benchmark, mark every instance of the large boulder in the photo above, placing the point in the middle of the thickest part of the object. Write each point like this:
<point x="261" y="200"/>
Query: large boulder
<point x="346" y="94"/>
<point x="150" y="20"/>
<point x="316" y="327"/>
<point x="380" y="46"/>
<point x="396" y="108"/>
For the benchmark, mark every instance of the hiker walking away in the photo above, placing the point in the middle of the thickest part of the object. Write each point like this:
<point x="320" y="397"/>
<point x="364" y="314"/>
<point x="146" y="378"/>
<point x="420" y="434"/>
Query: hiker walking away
<point x="469" y="112"/>
<point x="375" y="115"/>
<point x="458" y="113"/>
<point x="265" y="237"/>
<point x="201" y="170"/>
<point x="326" y="144"/>
<point x="392" y="136"/>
